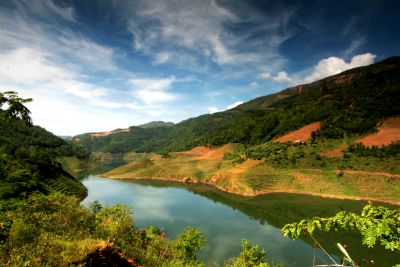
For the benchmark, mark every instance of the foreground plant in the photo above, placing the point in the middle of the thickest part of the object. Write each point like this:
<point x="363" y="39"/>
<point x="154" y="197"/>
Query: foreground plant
<point x="375" y="224"/>
<point x="251" y="256"/>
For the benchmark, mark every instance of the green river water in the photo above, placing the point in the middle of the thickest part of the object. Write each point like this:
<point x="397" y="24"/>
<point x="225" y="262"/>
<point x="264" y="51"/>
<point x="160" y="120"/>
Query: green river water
<point x="225" y="219"/>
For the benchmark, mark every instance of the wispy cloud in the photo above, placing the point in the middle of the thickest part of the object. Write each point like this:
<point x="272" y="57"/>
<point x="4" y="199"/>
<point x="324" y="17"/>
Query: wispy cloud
<point x="253" y="84"/>
<point x="175" y="31"/>
<point x="354" y="46"/>
<point x="46" y="9"/>
<point x="264" y="75"/>
<point x="41" y="57"/>
<point x="153" y="91"/>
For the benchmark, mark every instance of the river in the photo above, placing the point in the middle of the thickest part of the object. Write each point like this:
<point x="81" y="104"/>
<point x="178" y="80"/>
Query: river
<point x="225" y="219"/>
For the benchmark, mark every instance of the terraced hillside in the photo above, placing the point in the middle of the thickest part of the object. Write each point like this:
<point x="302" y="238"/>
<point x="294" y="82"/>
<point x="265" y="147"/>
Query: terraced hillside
<point x="273" y="167"/>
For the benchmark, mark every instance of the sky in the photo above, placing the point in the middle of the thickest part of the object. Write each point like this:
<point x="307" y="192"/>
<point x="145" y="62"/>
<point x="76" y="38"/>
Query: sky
<point x="94" y="66"/>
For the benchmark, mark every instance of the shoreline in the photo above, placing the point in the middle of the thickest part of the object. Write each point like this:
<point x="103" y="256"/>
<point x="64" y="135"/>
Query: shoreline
<point x="254" y="194"/>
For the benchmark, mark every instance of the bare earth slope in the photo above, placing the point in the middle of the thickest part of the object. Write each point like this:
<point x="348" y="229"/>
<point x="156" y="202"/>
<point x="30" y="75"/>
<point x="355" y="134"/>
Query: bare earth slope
<point x="303" y="134"/>
<point x="253" y="177"/>
<point x="388" y="132"/>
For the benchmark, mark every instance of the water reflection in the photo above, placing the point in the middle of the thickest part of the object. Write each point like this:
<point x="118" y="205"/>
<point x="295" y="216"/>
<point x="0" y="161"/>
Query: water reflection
<point x="224" y="218"/>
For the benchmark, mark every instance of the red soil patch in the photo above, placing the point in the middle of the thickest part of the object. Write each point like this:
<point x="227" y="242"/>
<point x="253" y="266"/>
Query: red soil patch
<point x="388" y="132"/>
<point x="302" y="134"/>
<point x="206" y="153"/>
<point x="336" y="152"/>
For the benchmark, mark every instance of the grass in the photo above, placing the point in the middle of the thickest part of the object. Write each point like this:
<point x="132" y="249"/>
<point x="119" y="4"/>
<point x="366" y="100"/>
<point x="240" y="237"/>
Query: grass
<point x="310" y="174"/>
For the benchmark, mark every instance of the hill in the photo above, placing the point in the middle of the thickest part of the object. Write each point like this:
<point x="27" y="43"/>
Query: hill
<point x="153" y="124"/>
<point x="305" y="139"/>
<point x="29" y="155"/>
<point x="352" y="102"/>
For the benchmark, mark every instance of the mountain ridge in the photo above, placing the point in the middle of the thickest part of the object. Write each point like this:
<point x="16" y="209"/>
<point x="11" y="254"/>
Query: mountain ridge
<point x="351" y="102"/>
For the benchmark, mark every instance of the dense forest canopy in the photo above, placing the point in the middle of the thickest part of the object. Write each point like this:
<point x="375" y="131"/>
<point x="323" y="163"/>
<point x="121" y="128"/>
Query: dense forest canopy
<point x="29" y="153"/>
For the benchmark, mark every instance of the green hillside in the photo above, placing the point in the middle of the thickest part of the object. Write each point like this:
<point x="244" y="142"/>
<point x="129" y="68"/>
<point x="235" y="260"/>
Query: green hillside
<point x="352" y="102"/>
<point x="236" y="150"/>
<point x="29" y="155"/>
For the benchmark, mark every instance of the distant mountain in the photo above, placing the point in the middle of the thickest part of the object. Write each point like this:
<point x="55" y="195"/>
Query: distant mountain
<point x="65" y="137"/>
<point x="156" y="124"/>
<point x="352" y="102"/>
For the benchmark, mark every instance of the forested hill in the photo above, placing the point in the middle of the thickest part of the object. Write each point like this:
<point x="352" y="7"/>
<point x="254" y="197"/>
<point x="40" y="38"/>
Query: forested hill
<point x="28" y="155"/>
<point x="352" y="102"/>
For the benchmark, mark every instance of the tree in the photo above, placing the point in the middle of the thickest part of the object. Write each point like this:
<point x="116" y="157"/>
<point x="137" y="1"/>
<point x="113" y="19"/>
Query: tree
<point x="15" y="106"/>
<point x="95" y="206"/>
<point x="375" y="223"/>
<point x="189" y="242"/>
<point x="251" y="257"/>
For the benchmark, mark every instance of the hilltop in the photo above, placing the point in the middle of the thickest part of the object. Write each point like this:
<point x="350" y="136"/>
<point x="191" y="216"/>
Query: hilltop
<point x="352" y="102"/>
<point x="305" y="139"/>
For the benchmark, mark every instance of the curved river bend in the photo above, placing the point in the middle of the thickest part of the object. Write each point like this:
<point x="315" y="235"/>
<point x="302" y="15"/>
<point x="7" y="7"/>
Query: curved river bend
<point x="225" y="219"/>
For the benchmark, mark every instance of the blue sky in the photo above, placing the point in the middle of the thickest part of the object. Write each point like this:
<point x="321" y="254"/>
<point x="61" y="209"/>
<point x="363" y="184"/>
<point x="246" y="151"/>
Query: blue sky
<point x="100" y="65"/>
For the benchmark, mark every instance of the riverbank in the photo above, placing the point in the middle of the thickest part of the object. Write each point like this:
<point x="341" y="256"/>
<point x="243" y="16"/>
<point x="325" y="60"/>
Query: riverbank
<point x="259" y="193"/>
<point x="228" y="169"/>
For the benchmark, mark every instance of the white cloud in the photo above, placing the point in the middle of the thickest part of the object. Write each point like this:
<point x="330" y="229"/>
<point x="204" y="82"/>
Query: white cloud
<point x="334" y="65"/>
<point x="282" y="77"/>
<point x="153" y="91"/>
<point x="264" y="76"/>
<point x="21" y="29"/>
<point x="195" y="31"/>
<point x="152" y="84"/>
<point x="154" y="97"/>
<point x="212" y="110"/>
<point x="28" y="66"/>
<point x="234" y="104"/>
<point x="253" y="84"/>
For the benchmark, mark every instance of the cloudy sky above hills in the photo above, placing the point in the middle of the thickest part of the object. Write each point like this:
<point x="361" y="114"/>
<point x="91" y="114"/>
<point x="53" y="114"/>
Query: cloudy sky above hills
<point x="106" y="64"/>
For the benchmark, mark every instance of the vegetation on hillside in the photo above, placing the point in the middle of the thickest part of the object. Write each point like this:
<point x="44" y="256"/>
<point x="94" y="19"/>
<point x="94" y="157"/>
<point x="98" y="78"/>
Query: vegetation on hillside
<point x="278" y="167"/>
<point x="28" y="154"/>
<point x="55" y="230"/>
<point x="40" y="225"/>
<point x="349" y="103"/>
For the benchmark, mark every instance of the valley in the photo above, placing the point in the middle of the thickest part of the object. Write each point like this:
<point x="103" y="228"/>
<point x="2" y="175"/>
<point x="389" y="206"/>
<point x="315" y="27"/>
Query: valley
<point x="308" y="151"/>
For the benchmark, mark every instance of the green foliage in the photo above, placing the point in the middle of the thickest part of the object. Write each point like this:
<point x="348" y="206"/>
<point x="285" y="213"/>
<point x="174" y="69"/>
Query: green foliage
<point x="380" y="152"/>
<point x="189" y="242"/>
<point x="375" y="224"/>
<point x="55" y="230"/>
<point x="15" y="107"/>
<point x="250" y="257"/>
<point x="28" y="154"/>
<point x="349" y="103"/>
<point x="95" y="206"/>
